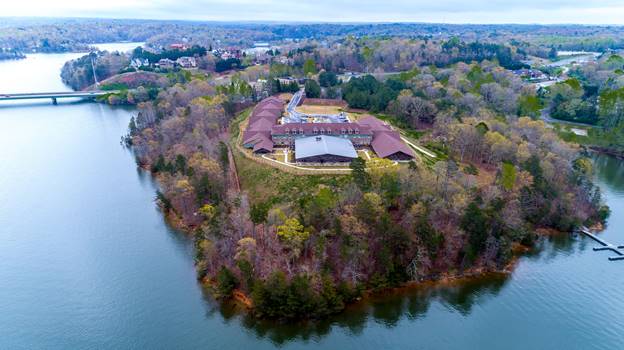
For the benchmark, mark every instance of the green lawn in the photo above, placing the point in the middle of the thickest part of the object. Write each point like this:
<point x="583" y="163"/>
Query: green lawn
<point x="265" y="183"/>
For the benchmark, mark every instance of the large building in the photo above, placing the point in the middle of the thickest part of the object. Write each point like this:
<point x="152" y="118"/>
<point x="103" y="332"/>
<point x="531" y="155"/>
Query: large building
<point x="387" y="143"/>
<point x="324" y="149"/>
<point x="264" y="132"/>
<point x="264" y="116"/>
<point x="286" y="134"/>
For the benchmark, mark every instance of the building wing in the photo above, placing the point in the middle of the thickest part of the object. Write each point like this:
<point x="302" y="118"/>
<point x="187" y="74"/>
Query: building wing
<point x="323" y="145"/>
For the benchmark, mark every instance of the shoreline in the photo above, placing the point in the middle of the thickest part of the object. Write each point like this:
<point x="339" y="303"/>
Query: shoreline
<point x="607" y="151"/>
<point x="243" y="301"/>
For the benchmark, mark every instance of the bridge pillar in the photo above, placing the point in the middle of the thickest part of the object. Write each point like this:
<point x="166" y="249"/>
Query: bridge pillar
<point x="54" y="101"/>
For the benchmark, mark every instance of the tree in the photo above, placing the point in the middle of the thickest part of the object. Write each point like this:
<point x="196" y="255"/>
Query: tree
<point x="312" y="89"/>
<point x="328" y="79"/>
<point x="293" y="234"/>
<point x="224" y="158"/>
<point x="259" y="212"/>
<point x="358" y="172"/>
<point x="331" y="93"/>
<point x="226" y="282"/>
<point x="508" y="175"/>
<point x="309" y="67"/>
<point x="412" y="109"/>
<point x="529" y="105"/>
<point x="475" y="223"/>
<point x="208" y="211"/>
<point x="132" y="127"/>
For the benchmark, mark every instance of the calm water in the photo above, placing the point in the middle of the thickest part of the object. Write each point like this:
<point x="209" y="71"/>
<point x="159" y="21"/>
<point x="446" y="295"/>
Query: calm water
<point x="86" y="260"/>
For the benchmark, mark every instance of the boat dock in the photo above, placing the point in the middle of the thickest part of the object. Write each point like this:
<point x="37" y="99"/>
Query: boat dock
<point x="604" y="245"/>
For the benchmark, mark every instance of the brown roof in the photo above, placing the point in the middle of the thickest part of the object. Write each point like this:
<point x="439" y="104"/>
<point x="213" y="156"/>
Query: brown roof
<point x="269" y="107"/>
<point x="264" y="143"/>
<point x="262" y="119"/>
<point x="374" y="123"/>
<point x="266" y="113"/>
<point x="309" y="128"/>
<point x="271" y="101"/>
<point x="254" y="136"/>
<point x="387" y="143"/>
<point x="261" y="124"/>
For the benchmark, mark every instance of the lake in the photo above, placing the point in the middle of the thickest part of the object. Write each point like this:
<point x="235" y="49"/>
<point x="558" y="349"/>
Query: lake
<point x="87" y="261"/>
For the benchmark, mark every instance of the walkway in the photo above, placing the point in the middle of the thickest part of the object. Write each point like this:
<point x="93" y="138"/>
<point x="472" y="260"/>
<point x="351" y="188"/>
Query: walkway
<point x="327" y="170"/>
<point x="419" y="148"/>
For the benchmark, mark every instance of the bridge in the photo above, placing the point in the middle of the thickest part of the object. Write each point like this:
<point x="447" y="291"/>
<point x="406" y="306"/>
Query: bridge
<point x="55" y="95"/>
<point x="604" y="245"/>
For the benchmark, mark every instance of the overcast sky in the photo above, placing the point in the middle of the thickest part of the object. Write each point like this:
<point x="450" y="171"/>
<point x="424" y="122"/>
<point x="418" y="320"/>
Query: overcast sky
<point x="447" y="11"/>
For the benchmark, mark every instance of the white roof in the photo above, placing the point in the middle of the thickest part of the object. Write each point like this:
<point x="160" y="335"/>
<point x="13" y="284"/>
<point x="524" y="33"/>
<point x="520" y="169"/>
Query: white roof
<point x="322" y="144"/>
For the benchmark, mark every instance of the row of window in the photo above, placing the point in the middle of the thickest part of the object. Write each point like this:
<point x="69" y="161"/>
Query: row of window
<point x="323" y="131"/>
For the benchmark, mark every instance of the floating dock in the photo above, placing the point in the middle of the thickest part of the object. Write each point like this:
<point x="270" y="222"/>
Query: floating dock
<point x="604" y="245"/>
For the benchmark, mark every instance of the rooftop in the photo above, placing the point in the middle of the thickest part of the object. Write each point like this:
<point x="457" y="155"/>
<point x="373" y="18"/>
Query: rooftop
<point x="387" y="143"/>
<point x="321" y="145"/>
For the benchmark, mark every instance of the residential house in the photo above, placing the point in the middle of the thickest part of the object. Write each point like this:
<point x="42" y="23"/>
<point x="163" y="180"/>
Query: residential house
<point x="166" y="63"/>
<point x="187" y="62"/>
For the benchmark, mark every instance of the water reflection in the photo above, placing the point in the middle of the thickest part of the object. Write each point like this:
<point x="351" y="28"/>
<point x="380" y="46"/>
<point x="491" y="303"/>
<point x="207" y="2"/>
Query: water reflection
<point x="387" y="309"/>
<point x="609" y="170"/>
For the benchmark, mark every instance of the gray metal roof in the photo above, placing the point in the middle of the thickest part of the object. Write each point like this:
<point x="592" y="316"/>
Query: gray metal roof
<point x="322" y="144"/>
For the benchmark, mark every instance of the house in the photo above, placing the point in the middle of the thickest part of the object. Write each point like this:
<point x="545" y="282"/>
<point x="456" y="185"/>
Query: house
<point x="287" y="80"/>
<point x="138" y="63"/>
<point x="285" y="60"/>
<point x="187" y="62"/>
<point x="166" y="63"/>
<point x="324" y="149"/>
<point x="180" y="47"/>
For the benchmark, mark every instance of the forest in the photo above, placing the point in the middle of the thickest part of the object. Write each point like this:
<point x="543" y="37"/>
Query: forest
<point x="10" y="54"/>
<point x="168" y="54"/>
<point x="76" y="34"/>
<point x="304" y="246"/>
<point x="79" y="74"/>
<point x="593" y="95"/>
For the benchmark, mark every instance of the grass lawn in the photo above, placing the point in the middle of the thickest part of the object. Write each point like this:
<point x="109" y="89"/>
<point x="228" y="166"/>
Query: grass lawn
<point x="318" y="109"/>
<point x="265" y="183"/>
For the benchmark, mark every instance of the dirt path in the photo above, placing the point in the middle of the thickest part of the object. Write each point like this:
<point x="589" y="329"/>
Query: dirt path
<point x="233" y="171"/>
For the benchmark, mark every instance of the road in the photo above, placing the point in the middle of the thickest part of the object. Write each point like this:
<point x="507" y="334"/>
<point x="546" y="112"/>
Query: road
<point x="545" y="116"/>
<point x="54" y="95"/>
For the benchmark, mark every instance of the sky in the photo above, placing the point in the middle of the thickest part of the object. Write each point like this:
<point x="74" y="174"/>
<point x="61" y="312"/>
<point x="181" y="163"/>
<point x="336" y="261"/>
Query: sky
<point x="438" y="11"/>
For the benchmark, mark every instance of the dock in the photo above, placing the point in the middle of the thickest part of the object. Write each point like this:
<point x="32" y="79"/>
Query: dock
<point x="604" y="245"/>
